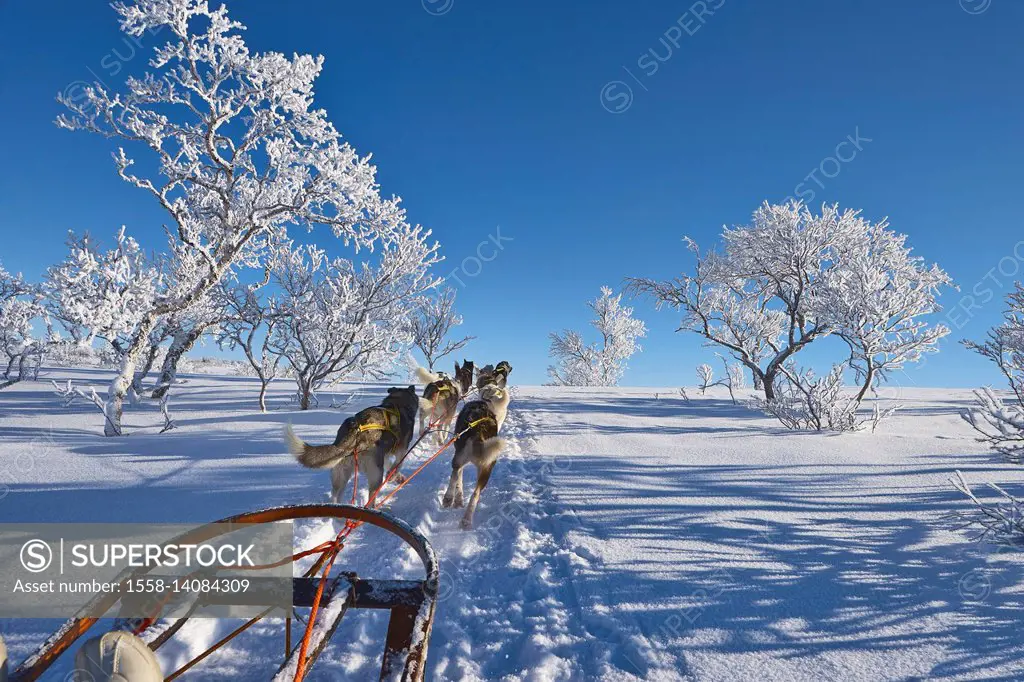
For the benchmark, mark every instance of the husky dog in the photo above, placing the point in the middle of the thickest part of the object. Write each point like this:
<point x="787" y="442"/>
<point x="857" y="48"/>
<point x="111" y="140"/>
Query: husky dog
<point x="441" y="398"/>
<point x="478" y="425"/>
<point x="376" y="434"/>
<point x="497" y="375"/>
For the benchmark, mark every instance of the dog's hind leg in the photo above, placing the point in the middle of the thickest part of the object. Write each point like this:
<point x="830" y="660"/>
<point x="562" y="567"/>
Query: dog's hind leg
<point x="483" y="474"/>
<point x="453" y="496"/>
<point x="396" y="459"/>
<point x="340" y="474"/>
<point x="375" y="469"/>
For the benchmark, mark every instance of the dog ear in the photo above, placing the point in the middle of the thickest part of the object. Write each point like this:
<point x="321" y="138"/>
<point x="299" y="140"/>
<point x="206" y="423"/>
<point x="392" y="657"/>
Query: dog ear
<point x="458" y="370"/>
<point x="393" y="389"/>
<point x="412" y="389"/>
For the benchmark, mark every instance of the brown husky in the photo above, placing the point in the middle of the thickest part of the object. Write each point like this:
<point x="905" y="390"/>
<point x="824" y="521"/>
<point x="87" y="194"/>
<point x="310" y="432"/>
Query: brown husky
<point x="441" y="399"/>
<point x="376" y="434"/>
<point x="478" y="425"/>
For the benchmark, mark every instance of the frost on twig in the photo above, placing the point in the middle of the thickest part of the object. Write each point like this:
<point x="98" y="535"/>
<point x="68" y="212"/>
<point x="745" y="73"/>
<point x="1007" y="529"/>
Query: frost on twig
<point x="1000" y="425"/>
<point x="69" y="394"/>
<point x="805" y="402"/>
<point x="1001" y="522"/>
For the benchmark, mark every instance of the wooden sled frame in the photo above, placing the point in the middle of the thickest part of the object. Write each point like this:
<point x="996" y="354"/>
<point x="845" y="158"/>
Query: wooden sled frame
<point x="411" y="602"/>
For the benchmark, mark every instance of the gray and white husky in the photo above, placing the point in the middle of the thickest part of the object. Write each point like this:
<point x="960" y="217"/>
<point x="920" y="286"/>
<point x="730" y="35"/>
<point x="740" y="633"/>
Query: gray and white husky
<point x="441" y="398"/>
<point x="496" y="375"/>
<point x="481" y="421"/>
<point x="377" y="434"/>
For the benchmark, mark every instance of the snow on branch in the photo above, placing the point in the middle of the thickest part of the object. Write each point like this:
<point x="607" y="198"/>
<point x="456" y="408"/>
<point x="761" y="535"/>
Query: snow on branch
<point x="340" y="318"/>
<point x="578" y="364"/>
<point x="432" y="324"/>
<point x="235" y="153"/>
<point x="791" y="277"/>
<point x="1000" y="425"/>
<point x="1001" y="522"/>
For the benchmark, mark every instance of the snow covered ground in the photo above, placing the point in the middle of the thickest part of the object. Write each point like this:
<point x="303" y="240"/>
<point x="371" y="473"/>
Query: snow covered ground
<point x="622" y="536"/>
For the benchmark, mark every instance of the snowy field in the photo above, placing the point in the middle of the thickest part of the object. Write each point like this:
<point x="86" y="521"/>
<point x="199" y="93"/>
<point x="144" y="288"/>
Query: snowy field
<point x="622" y="536"/>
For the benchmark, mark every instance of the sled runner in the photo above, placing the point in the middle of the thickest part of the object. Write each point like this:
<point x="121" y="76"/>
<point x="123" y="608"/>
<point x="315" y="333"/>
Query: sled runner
<point x="329" y="596"/>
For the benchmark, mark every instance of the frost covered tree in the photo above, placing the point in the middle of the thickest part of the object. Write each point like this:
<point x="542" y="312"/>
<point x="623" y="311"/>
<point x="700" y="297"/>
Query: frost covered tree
<point x="599" y="364"/>
<point x="20" y="308"/>
<point x="791" y="277"/>
<point x="184" y="329"/>
<point x="433" y="323"/>
<point x="705" y="377"/>
<point x="877" y="303"/>
<point x="249" y="323"/>
<point x="97" y="293"/>
<point x="1001" y="425"/>
<point x="339" y="317"/>
<point x="235" y="153"/>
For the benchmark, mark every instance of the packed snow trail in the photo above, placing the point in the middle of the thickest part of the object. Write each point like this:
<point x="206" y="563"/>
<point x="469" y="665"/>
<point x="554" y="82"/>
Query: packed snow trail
<point x="625" y="535"/>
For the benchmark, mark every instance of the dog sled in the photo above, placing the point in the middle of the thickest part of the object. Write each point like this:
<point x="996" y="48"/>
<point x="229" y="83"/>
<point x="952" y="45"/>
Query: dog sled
<point x="329" y="596"/>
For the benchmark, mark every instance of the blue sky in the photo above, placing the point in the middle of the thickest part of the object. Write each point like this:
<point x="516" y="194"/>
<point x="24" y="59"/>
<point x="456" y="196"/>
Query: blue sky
<point x="484" y="114"/>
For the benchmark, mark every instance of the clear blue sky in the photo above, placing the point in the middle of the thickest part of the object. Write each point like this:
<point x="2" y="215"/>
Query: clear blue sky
<point x="483" y="114"/>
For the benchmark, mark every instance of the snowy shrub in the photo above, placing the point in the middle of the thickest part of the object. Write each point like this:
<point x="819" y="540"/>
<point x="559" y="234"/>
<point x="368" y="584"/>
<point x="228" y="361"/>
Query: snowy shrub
<point x="341" y="318"/>
<point x="236" y="153"/>
<point x="1001" y="522"/>
<point x="806" y="402"/>
<point x="432" y="324"/>
<point x="578" y="364"/>
<point x="705" y="377"/>
<point x="1001" y="425"/>
<point x="792" y="277"/>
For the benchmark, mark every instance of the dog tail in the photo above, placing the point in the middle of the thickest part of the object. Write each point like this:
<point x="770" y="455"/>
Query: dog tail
<point x="313" y="456"/>
<point x="492" y="446"/>
<point x="426" y="376"/>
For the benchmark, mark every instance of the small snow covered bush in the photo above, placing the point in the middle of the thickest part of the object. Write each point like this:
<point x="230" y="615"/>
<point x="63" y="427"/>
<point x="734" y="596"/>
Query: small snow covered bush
<point x="577" y="364"/>
<point x="806" y="402"/>
<point x="1001" y="425"/>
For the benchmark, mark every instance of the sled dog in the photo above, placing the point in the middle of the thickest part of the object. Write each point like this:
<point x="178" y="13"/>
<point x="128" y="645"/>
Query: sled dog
<point x="376" y="434"/>
<point x="441" y="398"/>
<point x="497" y="375"/>
<point x="478" y="425"/>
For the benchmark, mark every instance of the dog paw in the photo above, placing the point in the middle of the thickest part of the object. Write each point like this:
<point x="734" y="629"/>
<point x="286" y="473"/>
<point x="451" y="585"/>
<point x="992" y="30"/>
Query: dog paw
<point x="458" y="503"/>
<point x="446" y="502"/>
<point x="466" y="523"/>
<point x="398" y="478"/>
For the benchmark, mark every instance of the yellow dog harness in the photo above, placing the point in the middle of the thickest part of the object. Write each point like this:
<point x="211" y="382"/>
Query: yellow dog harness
<point x="481" y="420"/>
<point x="388" y="424"/>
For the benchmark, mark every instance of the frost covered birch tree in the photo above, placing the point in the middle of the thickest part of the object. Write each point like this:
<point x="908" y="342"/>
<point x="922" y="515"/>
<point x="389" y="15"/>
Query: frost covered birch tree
<point x="249" y="323"/>
<point x="19" y="309"/>
<point x="791" y="277"/>
<point x="339" y="317"/>
<point x="433" y="323"/>
<point x="238" y="152"/>
<point x="599" y="364"/>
